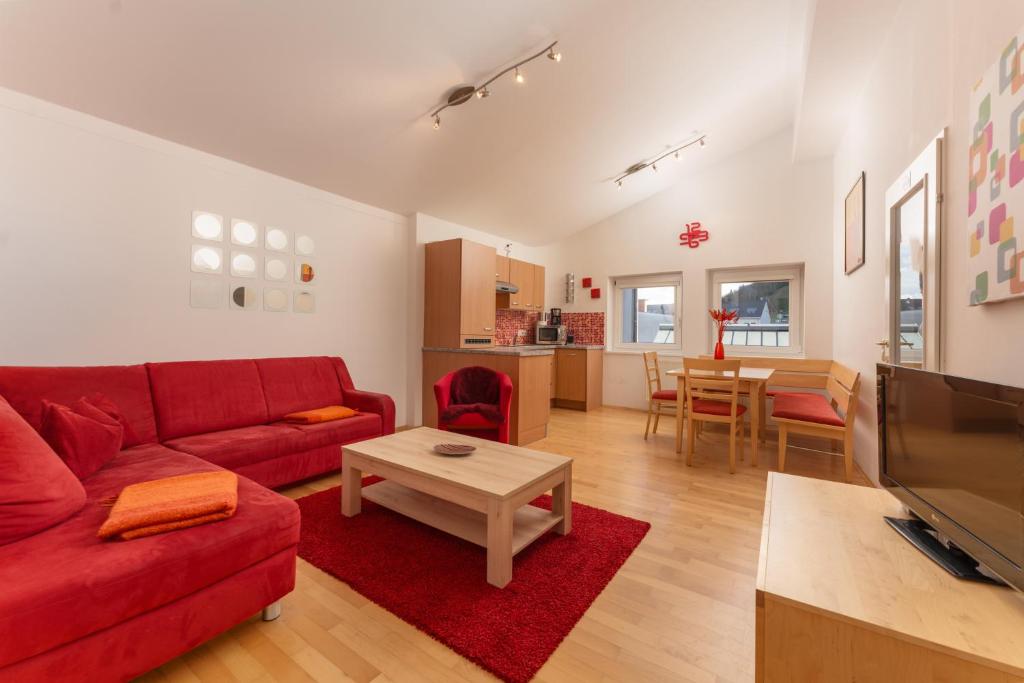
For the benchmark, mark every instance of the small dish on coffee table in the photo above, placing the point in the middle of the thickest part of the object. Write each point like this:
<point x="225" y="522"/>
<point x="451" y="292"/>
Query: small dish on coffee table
<point x="454" y="449"/>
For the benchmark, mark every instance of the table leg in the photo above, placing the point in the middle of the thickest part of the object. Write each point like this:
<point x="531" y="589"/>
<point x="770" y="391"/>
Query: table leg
<point x="561" y="503"/>
<point x="755" y="420"/>
<point x="680" y="398"/>
<point x="351" y="489"/>
<point x="762" y="397"/>
<point x="500" y="516"/>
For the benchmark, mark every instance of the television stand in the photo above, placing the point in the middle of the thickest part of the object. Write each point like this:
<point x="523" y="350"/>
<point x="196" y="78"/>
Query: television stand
<point x="953" y="560"/>
<point x="840" y="598"/>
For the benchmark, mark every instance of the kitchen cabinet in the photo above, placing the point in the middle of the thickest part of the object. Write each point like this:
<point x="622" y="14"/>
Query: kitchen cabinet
<point x="529" y="278"/>
<point x="501" y="269"/>
<point x="459" y="305"/>
<point x="579" y="375"/>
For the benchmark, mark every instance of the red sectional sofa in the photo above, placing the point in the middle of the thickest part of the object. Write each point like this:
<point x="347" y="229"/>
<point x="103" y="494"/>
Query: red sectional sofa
<point x="74" y="608"/>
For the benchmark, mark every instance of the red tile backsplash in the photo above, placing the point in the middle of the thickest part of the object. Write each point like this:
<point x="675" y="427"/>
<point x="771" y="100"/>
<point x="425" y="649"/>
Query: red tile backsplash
<point x="509" y="322"/>
<point x="586" y="328"/>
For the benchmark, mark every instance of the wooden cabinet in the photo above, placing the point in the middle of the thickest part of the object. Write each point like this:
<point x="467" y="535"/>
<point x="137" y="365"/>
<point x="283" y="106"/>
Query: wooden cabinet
<point x="579" y="374"/>
<point x="529" y="278"/>
<point x="501" y="268"/>
<point x="459" y="306"/>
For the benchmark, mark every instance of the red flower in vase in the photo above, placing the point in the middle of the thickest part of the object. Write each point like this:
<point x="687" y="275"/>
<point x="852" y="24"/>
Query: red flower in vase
<point x="722" y="317"/>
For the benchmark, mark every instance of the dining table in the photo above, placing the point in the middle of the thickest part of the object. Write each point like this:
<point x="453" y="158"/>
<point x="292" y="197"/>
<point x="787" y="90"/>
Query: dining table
<point x="752" y="381"/>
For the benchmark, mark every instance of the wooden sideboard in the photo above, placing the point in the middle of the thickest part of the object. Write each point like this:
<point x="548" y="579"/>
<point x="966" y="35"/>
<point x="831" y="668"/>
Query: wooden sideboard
<point x="842" y="597"/>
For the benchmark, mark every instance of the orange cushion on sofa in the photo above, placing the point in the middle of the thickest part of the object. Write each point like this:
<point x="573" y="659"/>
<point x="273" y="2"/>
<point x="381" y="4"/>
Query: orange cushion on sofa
<point x="316" y="415"/>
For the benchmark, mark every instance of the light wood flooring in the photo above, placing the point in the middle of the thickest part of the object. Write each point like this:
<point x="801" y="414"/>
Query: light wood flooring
<point x="680" y="609"/>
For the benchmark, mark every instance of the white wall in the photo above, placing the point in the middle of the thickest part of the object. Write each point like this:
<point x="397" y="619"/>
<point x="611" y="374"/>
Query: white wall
<point x="424" y="229"/>
<point x="760" y="210"/>
<point x="95" y="244"/>
<point x="921" y="82"/>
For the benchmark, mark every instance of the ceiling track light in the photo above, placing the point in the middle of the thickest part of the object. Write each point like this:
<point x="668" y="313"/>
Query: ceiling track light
<point x="464" y="93"/>
<point x="653" y="163"/>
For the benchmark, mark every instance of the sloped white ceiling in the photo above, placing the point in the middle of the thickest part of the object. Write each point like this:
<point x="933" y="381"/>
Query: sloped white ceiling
<point x="335" y="93"/>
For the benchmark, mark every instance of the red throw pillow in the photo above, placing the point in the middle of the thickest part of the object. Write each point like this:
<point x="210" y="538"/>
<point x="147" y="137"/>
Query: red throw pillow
<point x="111" y="409"/>
<point x="85" y="442"/>
<point x="37" y="490"/>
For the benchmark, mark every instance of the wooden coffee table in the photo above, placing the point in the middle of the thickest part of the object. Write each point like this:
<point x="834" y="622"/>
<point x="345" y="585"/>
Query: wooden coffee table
<point x="482" y="498"/>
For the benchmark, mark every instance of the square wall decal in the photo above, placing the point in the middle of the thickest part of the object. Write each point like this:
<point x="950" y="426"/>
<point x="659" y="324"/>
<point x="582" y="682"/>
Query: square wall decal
<point x="207" y="226"/>
<point x="207" y="293"/>
<point x="305" y="302"/>
<point x="275" y="300"/>
<point x="243" y="297"/>
<point x="595" y="293"/>
<point x="207" y="259"/>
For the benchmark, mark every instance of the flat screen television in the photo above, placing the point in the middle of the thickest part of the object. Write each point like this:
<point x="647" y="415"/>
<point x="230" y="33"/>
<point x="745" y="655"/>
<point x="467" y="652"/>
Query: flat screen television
<point x="952" y="451"/>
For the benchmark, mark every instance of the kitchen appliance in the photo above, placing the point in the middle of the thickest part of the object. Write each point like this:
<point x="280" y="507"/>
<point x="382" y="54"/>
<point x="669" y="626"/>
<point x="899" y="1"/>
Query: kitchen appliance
<point x="555" y="318"/>
<point x="551" y="334"/>
<point x="952" y="451"/>
<point x="505" y="288"/>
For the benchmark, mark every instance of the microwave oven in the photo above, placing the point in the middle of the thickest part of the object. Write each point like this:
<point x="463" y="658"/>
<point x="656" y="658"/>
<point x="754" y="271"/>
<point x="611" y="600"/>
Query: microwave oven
<point x="551" y="334"/>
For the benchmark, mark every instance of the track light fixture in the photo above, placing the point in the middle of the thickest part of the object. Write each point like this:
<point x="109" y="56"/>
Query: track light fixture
<point x="653" y="163"/>
<point x="464" y="93"/>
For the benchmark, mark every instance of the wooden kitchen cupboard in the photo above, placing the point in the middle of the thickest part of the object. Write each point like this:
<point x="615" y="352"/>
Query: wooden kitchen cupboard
<point x="501" y="268"/>
<point x="458" y="302"/>
<point x="529" y="278"/>
<point x="579" y="374"/>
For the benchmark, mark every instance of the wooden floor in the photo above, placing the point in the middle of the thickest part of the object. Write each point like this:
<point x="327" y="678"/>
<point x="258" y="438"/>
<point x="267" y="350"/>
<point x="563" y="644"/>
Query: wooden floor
<point x="680" y="609"/>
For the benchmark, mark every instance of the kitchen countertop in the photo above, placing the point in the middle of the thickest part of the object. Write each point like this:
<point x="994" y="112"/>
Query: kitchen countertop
<point x="521" y="350"/>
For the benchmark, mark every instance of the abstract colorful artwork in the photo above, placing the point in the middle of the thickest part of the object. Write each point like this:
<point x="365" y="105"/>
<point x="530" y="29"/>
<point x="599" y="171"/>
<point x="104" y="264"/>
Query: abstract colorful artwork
<point x="995" y="257"/>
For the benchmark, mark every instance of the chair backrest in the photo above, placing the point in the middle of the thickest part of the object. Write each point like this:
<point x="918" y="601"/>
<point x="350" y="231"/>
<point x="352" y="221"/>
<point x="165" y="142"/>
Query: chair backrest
<point x="652" y="373"/>
<point x="791" y="373"/>
<point x="701" y="384"/>
<point x="842" y="385"/>
<point x="476" y="384"/>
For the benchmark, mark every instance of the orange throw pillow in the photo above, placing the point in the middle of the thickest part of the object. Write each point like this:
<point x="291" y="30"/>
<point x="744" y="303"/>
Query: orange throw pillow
<point x="154" y="507"/>
<point x="309" y="417"/>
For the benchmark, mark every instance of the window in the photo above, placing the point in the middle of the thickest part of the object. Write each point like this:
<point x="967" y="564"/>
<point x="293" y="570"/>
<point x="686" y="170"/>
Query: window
<point x="769" y="302"/>
<point x="647" y="312"/>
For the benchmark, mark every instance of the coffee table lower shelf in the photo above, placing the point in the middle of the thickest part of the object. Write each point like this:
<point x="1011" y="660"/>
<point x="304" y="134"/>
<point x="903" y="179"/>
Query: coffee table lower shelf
<point x="530" y="523"/>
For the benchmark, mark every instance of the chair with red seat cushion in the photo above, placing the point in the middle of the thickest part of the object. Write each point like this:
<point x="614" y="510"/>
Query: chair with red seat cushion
<point x="817" y="415"/>
<point x="475" y="400"/>
<point x="658" y="399"/>
<point x="712" y="395"/>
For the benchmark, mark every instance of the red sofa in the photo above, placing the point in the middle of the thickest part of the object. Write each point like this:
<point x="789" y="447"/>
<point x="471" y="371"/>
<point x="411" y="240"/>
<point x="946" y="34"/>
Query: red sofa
<point x="76" y="608"/>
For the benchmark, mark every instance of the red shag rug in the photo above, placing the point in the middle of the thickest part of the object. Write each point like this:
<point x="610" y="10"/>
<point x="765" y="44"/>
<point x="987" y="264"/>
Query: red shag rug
<point x="438" y="582"/>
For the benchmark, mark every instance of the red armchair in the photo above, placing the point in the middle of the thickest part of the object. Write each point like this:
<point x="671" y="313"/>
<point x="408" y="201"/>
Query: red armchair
<point x="476" y="401"/>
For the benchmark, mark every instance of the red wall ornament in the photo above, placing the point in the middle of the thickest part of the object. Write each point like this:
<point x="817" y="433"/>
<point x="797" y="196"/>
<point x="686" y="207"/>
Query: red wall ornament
<point x="587" y="282"/>
<point x="595" y="293"/>
<point x="693" y="235"/>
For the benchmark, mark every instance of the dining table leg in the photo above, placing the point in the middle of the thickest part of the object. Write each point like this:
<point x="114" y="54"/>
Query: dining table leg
<point x="680" y="399"/>
<point x="754" y="391"/>
<point x="762" y="403"/>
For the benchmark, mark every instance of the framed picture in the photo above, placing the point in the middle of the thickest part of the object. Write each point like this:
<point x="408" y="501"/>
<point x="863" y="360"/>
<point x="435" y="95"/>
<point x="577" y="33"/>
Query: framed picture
<point x="855" y="226"/>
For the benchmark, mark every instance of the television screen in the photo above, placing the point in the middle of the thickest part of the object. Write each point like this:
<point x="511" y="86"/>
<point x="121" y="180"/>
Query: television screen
<point x="957" y="445"/>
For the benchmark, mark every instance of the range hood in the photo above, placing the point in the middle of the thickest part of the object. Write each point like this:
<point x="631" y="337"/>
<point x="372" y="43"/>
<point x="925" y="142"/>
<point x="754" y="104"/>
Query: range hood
<point x="505" y="288"/>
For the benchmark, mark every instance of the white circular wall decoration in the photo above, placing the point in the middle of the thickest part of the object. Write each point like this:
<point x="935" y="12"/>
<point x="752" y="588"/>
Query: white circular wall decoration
<point x="276" y="269"/>
<point x="207" y="226"/>
<point x="277" y="239"/>
<point x="242" y="264"/>
<point x="304" y="245"/>
<point x="244" y="233"/>
<point x="275" y="300"/>
<point x="305" y="302"/>
<point x="206" y="259"/>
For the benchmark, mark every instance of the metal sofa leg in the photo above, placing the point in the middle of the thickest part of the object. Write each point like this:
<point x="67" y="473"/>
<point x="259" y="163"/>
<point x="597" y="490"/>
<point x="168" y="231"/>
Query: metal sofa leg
<point x="272" y="611"/>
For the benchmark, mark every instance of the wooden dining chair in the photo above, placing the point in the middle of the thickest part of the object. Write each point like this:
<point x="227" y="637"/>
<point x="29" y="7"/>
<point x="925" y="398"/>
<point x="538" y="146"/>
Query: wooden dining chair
<point x="658" y="400"/>
<point x="714" y="398"/>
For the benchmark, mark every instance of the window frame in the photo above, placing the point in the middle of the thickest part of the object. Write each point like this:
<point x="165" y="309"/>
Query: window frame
<point x="793" y="273"/>
<point x="618" y="283"/>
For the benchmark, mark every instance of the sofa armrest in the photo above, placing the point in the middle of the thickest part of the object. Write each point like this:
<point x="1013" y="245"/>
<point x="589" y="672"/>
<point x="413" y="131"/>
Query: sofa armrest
<point x="370" y="402"/>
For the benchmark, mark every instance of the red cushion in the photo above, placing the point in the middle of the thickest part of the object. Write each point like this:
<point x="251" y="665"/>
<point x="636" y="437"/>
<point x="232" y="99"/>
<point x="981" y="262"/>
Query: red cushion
<point x="665" y="395"/>
<point x="37" y="490"/>
<point x="337" y="432"/>
<point x="232" y="448"/>
<point x="110" y="408"/>
<point x="64" y="583"/>
<point x="472" y="421"/>
<point x="85" y="437"/>
<point x="127" y="386"/>
<point x="294" y="384"/>
<point x="806" y="407"/>
<point x="196" y="397"/>
<point x="703" y="405"/>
